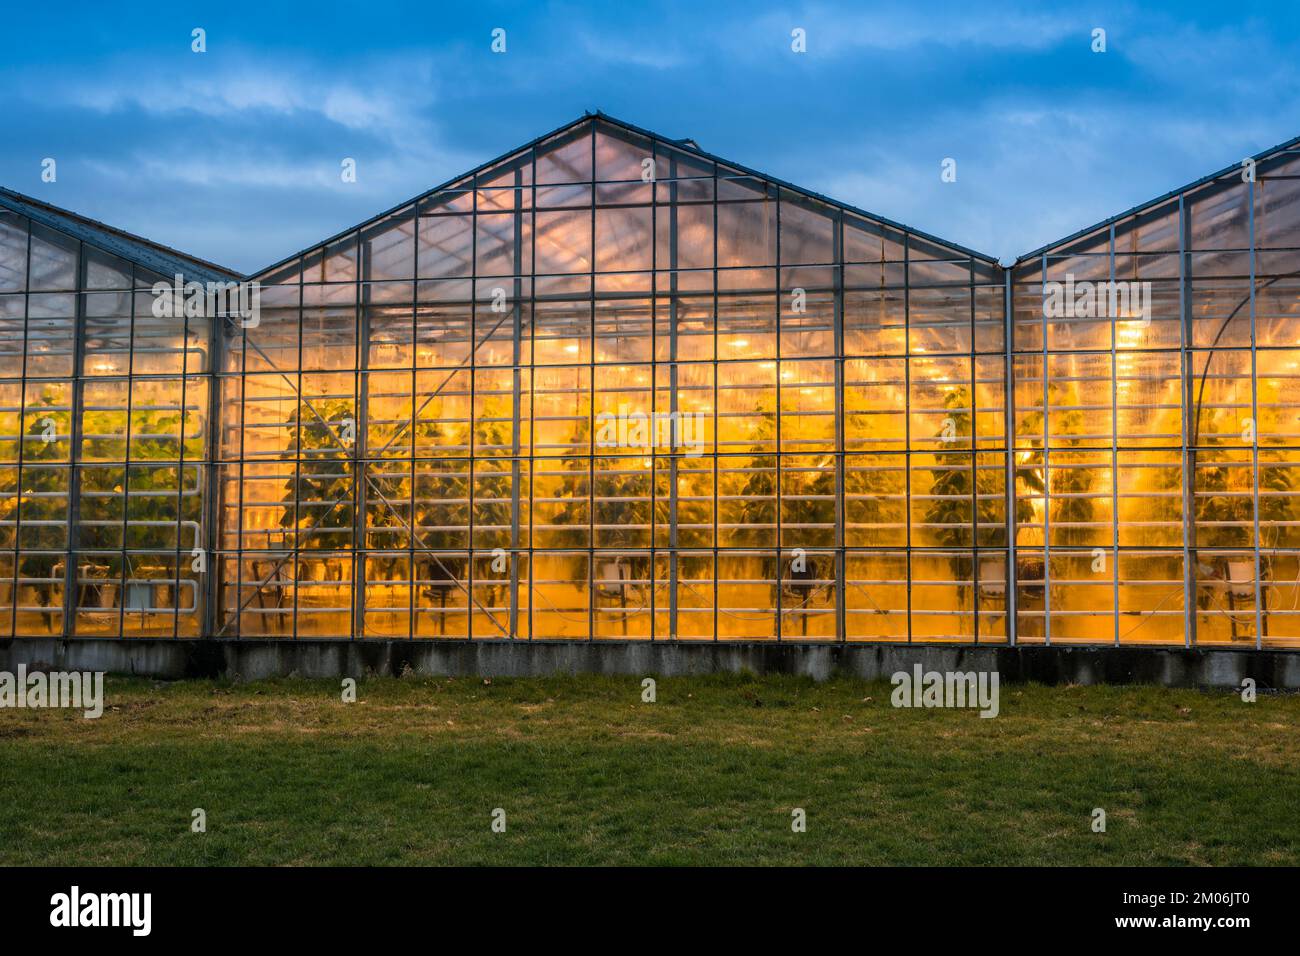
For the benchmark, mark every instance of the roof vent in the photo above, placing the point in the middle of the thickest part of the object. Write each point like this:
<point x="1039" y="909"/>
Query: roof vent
<point x="688" y="143"/>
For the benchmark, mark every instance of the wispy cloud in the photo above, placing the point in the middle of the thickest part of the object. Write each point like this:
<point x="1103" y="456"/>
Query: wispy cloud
<point x="617" y="48"/>
<point x="287" y="127"/>
<point x="898" y="27"/>
<point x="386" y="98"/>
<point x="1241" y="58"/>
<point x="181" y="168"/>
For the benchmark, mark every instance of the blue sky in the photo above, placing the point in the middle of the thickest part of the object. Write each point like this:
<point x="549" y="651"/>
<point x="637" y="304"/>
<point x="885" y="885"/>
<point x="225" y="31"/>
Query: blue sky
<point x="234" y="154"/>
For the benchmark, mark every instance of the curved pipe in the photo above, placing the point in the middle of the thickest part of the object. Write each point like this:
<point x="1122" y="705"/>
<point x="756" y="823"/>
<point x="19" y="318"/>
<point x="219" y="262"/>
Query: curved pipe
<point x="1200" y="393"/>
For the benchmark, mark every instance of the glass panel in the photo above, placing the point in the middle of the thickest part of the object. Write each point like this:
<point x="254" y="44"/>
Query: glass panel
<point x="388" y="249"/>
<point x="13" y="252"/>
<point x="53" y="260"/>
<point x="807" y="231"/>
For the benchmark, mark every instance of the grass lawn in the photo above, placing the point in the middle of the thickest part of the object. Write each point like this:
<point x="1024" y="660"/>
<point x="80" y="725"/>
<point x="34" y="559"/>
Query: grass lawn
<point x="588" y="774"/>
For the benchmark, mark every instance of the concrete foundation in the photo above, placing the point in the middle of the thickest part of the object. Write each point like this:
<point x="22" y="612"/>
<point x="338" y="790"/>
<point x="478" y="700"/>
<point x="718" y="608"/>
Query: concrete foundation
<point x="257" y="659"/>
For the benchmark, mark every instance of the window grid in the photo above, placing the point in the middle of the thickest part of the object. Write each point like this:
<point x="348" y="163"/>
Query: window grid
<point x="409" y="441"/>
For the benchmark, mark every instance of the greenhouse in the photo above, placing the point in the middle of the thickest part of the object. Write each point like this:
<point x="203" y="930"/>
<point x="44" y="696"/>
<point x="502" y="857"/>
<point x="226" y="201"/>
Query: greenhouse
<point x="612" y="387"/>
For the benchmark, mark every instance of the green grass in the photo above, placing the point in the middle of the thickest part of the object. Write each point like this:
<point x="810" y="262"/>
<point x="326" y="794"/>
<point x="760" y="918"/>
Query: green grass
<point x="588" y="774"/>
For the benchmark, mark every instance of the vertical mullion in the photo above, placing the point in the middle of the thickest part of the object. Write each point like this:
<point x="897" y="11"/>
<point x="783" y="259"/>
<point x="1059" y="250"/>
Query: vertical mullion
<point x="516" y="382"/>
<point x="591" y="391"/>
<point x="210" y="485"/>
<point x="180" y="477"/>
<point x="1114" y="450"/>
<point x="1047" y="471"/>
<point x="470" y="443"/>
<point x="907" y="417"/>
<point x="674" y="538"/>
<point x="22" y="435"/>
<point x="361" y="425"/>
<point x="1260" y="594"/>
<point x="126" y="478"/>
<point x="840" y="559"/>
<point x="411" y="585"/>
<point x="974" y="367"/>
<point x="472" y="370"/>
<point x="411" y="376"/>
<point x="780" y="448"/>
<point x="716" y="368"/>
<point x="295" y="548"/>
<point x="70" y="575"/>
<point x="1009" y="462"/>
<point x="471" y="367"/>
<point x="1188" y="451"/>
<point x="654" y="389"/>
<point x="242" y="464"/>
<point x="532" y="383"/>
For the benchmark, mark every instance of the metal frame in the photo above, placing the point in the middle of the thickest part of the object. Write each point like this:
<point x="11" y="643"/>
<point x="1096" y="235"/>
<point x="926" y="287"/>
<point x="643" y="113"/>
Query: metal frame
<point x="223" y="618"/>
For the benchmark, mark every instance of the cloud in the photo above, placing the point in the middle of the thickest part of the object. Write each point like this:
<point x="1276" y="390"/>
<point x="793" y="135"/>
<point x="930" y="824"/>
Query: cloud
<point x="900" y="27"/>
<point x="1233" y="60"/>
<point x="258" y="139"/>
<point x="1032" y="171"/>
<point x="250" y="125"/>
<point x="388" y="98"/>
<point x="614" y="49"/>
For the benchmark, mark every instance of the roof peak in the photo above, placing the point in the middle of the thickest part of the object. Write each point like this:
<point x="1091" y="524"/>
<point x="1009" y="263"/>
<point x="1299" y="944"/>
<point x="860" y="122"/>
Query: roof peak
<point x="599" y="116"/>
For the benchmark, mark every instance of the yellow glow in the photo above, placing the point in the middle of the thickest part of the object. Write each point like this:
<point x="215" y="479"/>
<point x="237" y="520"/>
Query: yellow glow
<point x="1127" y="336"/>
